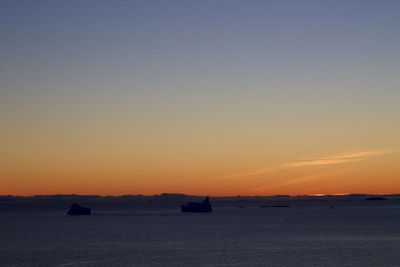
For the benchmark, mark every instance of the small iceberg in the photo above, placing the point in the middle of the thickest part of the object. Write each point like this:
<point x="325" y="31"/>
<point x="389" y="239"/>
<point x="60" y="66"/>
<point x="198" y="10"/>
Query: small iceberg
<point x="204" y="206"/>
<point x="375" y="198"/>
<point x="275" y="206"/>
<point x="75" y="209"/>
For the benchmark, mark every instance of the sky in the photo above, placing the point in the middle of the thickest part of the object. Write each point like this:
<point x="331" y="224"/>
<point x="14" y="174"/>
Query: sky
<point x="199" y="97"/>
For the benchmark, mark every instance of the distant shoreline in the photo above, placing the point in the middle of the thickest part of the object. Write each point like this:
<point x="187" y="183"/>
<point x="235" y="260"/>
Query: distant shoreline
<point x="52" y="196"/>
<point x="174" y="201"/>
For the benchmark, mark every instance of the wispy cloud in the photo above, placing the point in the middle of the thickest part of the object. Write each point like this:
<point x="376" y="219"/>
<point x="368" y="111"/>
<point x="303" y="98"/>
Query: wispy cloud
<point x="320" y="161"/>
<point x="252" y="173"/>
<point x="354" y="155"/>
<point x="299" y="180"/>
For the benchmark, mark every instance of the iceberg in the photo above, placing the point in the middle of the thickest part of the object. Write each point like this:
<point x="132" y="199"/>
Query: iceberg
<point x="75" y="209"/>
<point x="204" y="206"/>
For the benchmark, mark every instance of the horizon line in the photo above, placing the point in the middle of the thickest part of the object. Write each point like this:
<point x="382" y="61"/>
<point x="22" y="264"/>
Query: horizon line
<point x="218" y="196"/>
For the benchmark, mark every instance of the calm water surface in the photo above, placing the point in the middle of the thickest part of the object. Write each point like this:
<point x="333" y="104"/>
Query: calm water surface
<point x="295" y="236"/>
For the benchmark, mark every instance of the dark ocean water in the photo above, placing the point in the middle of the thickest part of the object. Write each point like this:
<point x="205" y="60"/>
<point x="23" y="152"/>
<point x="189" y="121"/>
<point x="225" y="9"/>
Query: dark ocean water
<point x="294" y="236"/>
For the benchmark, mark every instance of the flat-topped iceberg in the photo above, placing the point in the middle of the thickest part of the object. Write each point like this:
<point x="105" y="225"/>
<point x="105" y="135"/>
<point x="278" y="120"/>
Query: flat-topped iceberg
<point x="75" y="209"/>
<point x="204" y="206"/>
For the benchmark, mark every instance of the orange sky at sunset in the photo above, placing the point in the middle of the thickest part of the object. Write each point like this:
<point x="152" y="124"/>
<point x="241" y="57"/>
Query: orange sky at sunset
<point x="213" y="98"/>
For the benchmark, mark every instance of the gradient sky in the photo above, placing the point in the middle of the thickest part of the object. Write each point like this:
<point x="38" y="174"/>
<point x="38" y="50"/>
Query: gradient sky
<point x="199" y="97"/>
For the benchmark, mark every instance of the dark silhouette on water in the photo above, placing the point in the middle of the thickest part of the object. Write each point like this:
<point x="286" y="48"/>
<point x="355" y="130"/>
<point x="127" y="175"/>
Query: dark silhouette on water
<point x="204" y="206"/>
<point x="375" y="198"/>
<point x="275" y="206"/>
<point x="75" y="209"/>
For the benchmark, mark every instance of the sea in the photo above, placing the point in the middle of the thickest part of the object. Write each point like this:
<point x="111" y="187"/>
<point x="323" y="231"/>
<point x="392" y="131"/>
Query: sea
<point x="361" y="235"/>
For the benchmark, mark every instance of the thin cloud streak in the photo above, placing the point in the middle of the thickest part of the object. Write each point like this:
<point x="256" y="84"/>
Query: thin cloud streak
<point x="358" y="154"/>
<point x="300" y="180"/>
<point x="252" y="173"/>
<point x="321" y="161"/>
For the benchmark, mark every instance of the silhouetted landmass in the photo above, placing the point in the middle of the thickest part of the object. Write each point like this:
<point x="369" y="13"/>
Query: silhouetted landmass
<point x="174" y="201"/>
<point x="75" y="209"/>
<point x="375" y="198"/>
<point x="204" y="206"/>
<point x="275" y="206"/>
